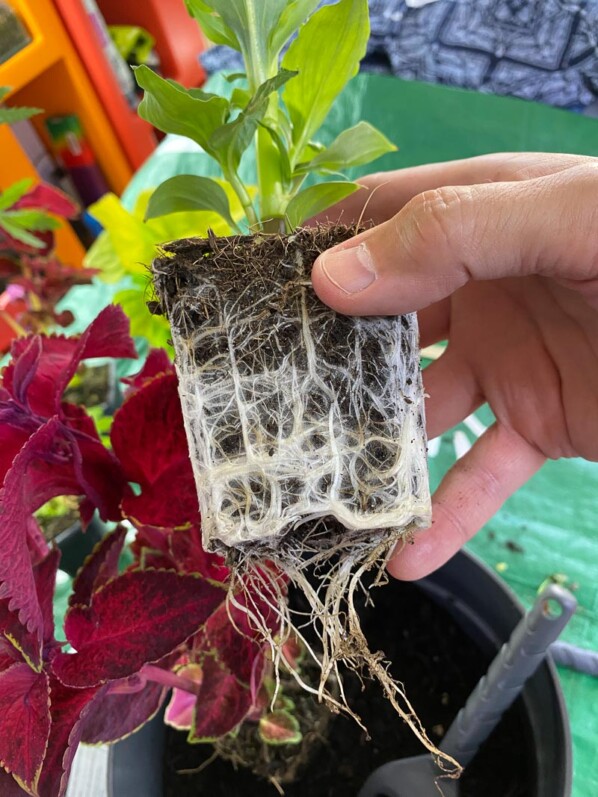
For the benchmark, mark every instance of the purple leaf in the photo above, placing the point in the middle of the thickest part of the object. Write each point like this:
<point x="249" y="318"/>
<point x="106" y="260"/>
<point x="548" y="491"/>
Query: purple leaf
<point x="43" y="469"/>
<point x="25" y="712"/>
<point x="179" y="712"/>
<point x="9" y="787"/>
<point x="99" y="567"/>
<point x="68" y="709"/>
<point x="112" y="715"/>
<point x="157" y="362"/>
<point x="221" y="705"/>
<point x="137" y="618"/>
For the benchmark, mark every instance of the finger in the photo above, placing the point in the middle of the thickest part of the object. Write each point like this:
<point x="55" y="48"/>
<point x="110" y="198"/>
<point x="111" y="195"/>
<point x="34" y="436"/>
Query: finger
<point x="453" y="393"/>
<point x="446" y="237"/>
<point x="386" y="193"/>
<point x="434" y="323"/>
<point x="470" y="494"/>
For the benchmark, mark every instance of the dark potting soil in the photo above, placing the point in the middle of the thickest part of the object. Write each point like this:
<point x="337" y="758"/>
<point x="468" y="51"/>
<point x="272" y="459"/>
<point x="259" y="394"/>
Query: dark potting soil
<point x="439" y="666"/>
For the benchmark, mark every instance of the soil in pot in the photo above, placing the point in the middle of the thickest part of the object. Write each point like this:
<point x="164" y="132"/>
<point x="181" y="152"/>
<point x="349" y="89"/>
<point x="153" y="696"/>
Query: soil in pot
<point x="439" y="666"/>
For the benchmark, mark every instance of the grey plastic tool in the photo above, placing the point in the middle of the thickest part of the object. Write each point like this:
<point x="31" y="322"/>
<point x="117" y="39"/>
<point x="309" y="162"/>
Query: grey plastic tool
<point x="517" y="660"/>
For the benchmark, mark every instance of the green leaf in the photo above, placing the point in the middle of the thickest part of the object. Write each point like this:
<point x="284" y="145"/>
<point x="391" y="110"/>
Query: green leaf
<point x="291" y="18"/>
<point x="231" y="140"/>
<point x="212" y="26"/>
<point x="315" y="199"/>
<point x="172" y="109"/>
<point x="189" y="192"/>
<point x="285" y="163"/>
<point x="252" y="22"/>
<point x="14" y="192"/>
<point x="240" y="98"/>
<point x="10" y="115"/>
<point x="279" y="727"/>
<point x="353" y="147"/>
<point x="326" y="53"/>
<point x="153" y="328"/>
<point x="35" y="220"/>
<point x="19" y="234"/>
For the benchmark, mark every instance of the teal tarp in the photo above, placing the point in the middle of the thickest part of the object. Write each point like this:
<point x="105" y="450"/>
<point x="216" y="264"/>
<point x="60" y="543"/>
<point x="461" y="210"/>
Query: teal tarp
<point x="553" y="518"/>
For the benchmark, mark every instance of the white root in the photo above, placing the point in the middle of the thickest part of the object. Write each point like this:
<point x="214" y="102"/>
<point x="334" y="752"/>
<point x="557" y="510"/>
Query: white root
<point x="306" y="435"/>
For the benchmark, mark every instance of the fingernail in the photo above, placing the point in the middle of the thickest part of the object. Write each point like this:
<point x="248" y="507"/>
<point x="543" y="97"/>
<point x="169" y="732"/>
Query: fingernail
<point x="350" y="270"/>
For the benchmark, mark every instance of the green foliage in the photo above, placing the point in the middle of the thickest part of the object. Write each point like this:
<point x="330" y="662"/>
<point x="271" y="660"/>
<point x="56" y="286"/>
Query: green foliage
<point x="279" y="111"/>
<point x="353" y="147"/>
<point x="326" y="54"/>
<point x="188" y="192"/>
<point x="128" y="244"/>
<point x="315" y="199"/>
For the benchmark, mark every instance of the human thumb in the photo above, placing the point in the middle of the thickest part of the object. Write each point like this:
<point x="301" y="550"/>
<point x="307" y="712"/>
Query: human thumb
<point x="445" y="237"/>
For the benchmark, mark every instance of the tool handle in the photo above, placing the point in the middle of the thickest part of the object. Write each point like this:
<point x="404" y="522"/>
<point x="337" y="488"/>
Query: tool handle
<point x="517" y="661"/>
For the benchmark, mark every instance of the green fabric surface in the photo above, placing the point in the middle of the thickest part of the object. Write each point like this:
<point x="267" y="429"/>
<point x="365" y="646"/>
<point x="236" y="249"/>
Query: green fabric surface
<point x="553" y="518"/>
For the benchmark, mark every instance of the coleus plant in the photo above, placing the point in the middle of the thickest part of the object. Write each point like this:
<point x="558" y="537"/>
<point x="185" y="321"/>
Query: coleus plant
<point x="32" y="278"/>
<point x="163" y="622"/>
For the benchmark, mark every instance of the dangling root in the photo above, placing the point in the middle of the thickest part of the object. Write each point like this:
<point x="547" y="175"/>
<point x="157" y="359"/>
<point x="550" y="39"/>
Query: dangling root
<point x="327" y="565"/>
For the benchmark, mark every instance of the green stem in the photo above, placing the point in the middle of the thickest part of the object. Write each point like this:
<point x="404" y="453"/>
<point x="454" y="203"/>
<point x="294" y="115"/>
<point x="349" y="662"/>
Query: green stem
<point x="244" y="198"/>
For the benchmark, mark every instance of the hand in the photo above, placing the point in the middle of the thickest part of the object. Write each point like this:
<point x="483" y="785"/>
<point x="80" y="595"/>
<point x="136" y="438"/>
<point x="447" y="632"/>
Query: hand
<point x="504" y="265"/>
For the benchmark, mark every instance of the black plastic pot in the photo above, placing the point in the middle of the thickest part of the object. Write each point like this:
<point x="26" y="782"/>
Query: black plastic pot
<point x="488" y="611"/>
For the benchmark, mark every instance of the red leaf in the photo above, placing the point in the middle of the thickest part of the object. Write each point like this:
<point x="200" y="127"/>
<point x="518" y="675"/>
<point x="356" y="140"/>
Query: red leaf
<point x="9" y="655"/>
<point x="59" y="358"/>
<point x="43" y="469"/>
<point x="221" y="705"/>
<point x="16" y="428"/>
<point x="99" y="567"/>
<point x="25" y="712"/>
<point x="238" y="650"/>
<point x="135" y="619"/>
<point x="186" y="550"/>
<point x="46" y="197"/>
<point x="148" y="437"/>
<point x="44" y="574"/>
<point x="113" y="716"/>
<point x="68" y="708"/>
<point x="36" y="542"/>
<point x="157" y="362"/>
<point x="150" y="507"/>
<point x="99" y="476"/>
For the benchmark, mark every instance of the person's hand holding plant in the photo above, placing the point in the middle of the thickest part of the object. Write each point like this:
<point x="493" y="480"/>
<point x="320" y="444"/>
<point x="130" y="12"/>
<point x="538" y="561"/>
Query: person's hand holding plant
<point x="499" y="256"/>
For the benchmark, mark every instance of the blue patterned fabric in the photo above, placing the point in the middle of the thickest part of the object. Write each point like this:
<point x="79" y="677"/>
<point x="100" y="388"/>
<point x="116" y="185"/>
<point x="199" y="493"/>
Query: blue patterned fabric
<point x="543" y="50"/>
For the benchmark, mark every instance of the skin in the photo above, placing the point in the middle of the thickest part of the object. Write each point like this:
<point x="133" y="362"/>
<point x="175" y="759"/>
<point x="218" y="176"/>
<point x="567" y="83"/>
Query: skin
<point x="499" y="256"/>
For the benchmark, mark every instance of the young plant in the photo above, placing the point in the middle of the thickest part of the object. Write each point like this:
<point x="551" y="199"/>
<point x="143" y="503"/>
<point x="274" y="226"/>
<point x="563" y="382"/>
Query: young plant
<point x="166" y="621"/>
<point x="278" y="110"/>
<point x="305" y="429"/>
